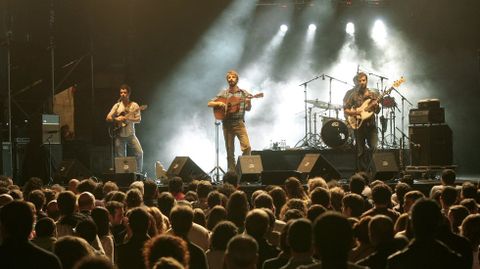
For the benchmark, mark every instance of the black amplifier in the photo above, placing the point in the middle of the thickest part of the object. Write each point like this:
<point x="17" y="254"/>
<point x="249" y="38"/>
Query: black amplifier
<point x="425" y="116"/>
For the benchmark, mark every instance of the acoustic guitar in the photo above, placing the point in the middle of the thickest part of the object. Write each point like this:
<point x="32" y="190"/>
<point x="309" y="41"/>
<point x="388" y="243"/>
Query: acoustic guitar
<point x="117" y="126"/>
<point x="232" y="105"/>
<point x="367" y="109"/>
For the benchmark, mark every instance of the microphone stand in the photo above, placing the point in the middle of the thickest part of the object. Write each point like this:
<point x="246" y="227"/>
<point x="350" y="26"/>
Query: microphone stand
<point x="403" y="108"/>
<point x="304" y="142"/>
<point x="402" y="147"/>
<point x="217" y="169"/>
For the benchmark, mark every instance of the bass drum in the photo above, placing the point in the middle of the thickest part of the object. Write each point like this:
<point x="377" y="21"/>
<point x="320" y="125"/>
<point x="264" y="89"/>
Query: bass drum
<point x="335" y="133"/>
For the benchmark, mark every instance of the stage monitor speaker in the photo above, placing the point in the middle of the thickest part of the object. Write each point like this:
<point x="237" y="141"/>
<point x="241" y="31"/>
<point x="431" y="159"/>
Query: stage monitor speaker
<point x="314" y="165"/>
<point x="187" y="169"/>
<point x="386" y="165"/>
<point x="431" y="145"/>
<point x="278" y="177"/>
<point x="249" y="168"/>
<point x="123" y="180"/>
<point x="71" y="168"/>
<point x="51" y="129"/>
<point x="125" y="165"/>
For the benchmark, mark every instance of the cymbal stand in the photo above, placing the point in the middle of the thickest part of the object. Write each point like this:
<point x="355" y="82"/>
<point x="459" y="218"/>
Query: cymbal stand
<point x="304" y="142"/>
<point x="330" y="78"/>
<point x="217" y="169"/>
<point x="402" y="110"/>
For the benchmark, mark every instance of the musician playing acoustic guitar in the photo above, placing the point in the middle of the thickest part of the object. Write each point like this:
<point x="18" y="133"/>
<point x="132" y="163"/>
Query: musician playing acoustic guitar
<point x="125" y="114"/>
<point x="234" y="102"/>
<point x="366" y="137"/>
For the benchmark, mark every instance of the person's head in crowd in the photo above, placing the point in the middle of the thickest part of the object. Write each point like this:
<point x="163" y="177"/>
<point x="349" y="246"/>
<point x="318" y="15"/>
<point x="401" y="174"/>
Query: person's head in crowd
<point x="320" y="196"/>
<point x="100" y="216"/>
<point x="86" y="229"/>
<point x="45" y="227"/>
<point x="471" y="229"/>
<point x="204" y="187"/>
<point x="71" y="249"/>
<point x="470" y="204"/>
<point x="381" y="195"/>
<point x="6" y="180"/>
<point x="279" y="199"/>
<point x="167" y="263"/>
<point x="299" y="237"/>
<point x="138" y="185"/>
<point x="86" y="202"/>
<point x="400" y="190"/>
<point x="181" y="219"/>
<point x="199" y="217"/>
<point x="109" y="186"/>
<point x="166" y="246"/>
<point x="214" y="198"/>
<point x="314" y="211"/>
<point x="448" y="197"/>
<point x="67" y="202"/>
<point x="16" y="221"/>
<point x="52" y="210"/>
<point x="191" y="196"/>
<point x="456" y="215"/>
<point x="57" y="188"/>
<point x="192" y="185"/>
<point x="161" y="221"/>
<point x="257" y="223"/>
<point x="87" y="184"/>
<point x="237" y="208"/>
<point x="315" y="182"/>
<point x="448" y="177"/>
<point x="37" y="197"/>
<point x="138" y="221"/>
<point x="332" y="237"/>
<point x="271" y="219"/>
<point x="94" y="262"/>
<point x="242" y="252"/>
<point x="357" y="184"/>
<point x="294" y="189"/>
<point x="360" y="231"/>
<point x="468" y="190"/>
<point x="402" y="223"/>
<point x="380" y="230"/>
<point x="17" y="194"/>
<point x="255" y="194"/>
<point x="227" y="189"/>
<point x="98" y="192"/>
<point x="175" y="185"/>
<point x="134" y="198"/>
<point x="231" y="178"/>
<point x="72" y="185"/>
<point x="410" y="198"/>
<point x="217" y="214"/>
<point x="294" y="203"/>
<point x="119" y="196"/>
<point x="293" y="214"/>
<point x="4" y="190"/>
<point x="336" y="197"/>
<point x="166" y="202"/>
<point x="33" y="183"/>
<point x="365" y="176"/>
<point x="5" y="198"/>
<point x="264" y="200"/>
<point x="49" y="195"/>
<point x="115" y="212"/>
<point x="426" y="219"/>
<point x="221" y="234"/>
<point x="353" y="205"/>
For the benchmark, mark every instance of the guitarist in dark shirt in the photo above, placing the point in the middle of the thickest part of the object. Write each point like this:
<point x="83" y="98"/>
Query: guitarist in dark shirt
<point x="365" y="129"/>
<point x="125" y="114"/>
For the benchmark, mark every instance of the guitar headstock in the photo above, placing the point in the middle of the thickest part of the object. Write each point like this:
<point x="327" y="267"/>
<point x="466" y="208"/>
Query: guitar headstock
<point x="399" y="82"/>
<point x="142" y="107"/>
<point x="258" y="95"/>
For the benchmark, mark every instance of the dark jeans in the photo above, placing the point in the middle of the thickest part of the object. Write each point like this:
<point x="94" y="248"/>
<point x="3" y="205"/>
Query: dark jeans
<point x="366" y="140"/>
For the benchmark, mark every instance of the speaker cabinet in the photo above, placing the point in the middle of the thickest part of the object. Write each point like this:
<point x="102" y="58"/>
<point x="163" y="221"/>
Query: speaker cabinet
<point x="386" y="165"/>
<point x="314" y="165"/>
<point x="125" y="165"/>
<point x="185" y="168"/>
<point x="122" y="180"/>
<point x="249" y="168"/>
<point x="432" y="145"/>
<point x="69" y="169"/>
<point x="278" y="177"/>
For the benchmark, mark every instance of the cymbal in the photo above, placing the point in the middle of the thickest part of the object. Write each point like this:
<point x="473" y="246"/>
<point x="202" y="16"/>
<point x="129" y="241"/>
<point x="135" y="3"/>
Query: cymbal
<point x="324" y="105"/>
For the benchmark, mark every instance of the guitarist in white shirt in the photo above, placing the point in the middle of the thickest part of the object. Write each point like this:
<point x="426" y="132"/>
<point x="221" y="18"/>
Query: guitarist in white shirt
<point x="125" y="114"/>
<point x="366" y="137"/>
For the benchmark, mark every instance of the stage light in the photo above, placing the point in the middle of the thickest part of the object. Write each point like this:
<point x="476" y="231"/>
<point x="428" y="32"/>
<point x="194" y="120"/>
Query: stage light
<point x="379" y="32"/>
<point x="350" y="28"/>
<point x="284" y="28"/>
<point x="312" y="27"/>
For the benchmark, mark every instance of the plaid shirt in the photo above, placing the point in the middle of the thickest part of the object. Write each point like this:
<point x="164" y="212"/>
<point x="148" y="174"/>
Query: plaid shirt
<point x="240" y="114"/>
<point x="354" y="98"/>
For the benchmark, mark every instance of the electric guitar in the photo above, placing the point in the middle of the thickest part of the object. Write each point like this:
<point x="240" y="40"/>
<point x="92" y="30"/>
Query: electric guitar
<point x="232" y="105"/>
<point x="118" y="125"/>
<point x="367" y="108"/>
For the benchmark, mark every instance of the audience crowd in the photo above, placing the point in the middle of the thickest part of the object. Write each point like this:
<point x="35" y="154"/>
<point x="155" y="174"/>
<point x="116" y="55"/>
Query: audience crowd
<point x="363" y="224"/>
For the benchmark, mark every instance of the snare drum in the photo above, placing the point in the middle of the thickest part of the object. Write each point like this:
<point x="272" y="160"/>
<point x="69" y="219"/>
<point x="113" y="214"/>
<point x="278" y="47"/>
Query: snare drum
<point x="335" y="133"/>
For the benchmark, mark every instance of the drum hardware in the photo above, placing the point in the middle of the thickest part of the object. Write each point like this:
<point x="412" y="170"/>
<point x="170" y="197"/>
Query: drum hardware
<point x="305" y="141"/>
